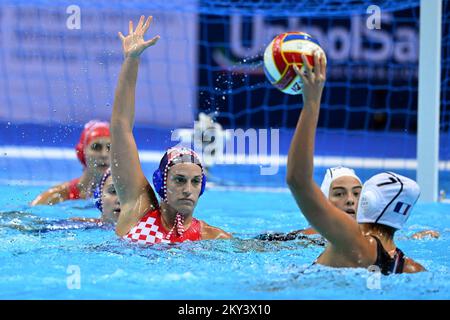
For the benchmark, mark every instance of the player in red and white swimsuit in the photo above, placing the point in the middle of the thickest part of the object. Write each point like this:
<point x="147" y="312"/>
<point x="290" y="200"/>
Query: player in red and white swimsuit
<point x="93" y="152"/>
<point x="179" y="180"/>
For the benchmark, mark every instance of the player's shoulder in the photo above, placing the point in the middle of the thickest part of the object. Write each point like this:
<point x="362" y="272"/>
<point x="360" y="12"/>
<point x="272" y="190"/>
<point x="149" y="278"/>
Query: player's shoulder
<point x="211" y="232"/>
<point x="412" y="266"/>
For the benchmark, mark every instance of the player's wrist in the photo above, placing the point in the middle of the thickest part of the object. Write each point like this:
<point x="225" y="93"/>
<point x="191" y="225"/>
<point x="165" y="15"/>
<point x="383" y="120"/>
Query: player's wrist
<point x="132" y="57"/>
<point x="312" y="104"/>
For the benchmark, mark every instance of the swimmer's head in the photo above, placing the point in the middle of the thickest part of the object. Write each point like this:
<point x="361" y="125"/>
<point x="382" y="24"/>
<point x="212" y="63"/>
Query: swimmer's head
<point x="106" y="199"/>
<point x="342" y="187"/>
<point x="93" y="148"/>
<point x="387" y="199"/>
<point x="179" y="179"/>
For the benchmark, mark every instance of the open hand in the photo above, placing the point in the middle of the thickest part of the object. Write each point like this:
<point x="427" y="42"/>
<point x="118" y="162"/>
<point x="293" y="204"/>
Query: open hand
<point x="134" y="43"/>
<point x="313" y="81"/>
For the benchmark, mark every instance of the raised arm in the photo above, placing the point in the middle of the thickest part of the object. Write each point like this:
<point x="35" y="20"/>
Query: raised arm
<point x="134" y="192"/>
<point x="335" y="225"/>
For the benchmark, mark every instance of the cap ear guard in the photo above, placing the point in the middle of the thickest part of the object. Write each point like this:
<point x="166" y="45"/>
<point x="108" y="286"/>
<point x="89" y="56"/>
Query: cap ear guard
<point x="98" y="191"/>
<point x="326" y="183"/>
<point x="202" y="189"/>
<point x="98" y="198"/>
<point x="158" y="183"/>
<point x="369" y="204"/>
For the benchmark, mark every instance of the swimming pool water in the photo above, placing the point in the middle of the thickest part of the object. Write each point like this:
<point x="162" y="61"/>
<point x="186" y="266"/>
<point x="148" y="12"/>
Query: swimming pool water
<point x="39" y="265"/>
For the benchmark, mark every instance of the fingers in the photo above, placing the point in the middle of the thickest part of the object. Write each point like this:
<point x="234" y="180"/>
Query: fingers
<point x="317" y="65"/>
<point x="130" y="27"/>
<point x="140" y="24"/>
<point x="297" y="70"/>
<point x="300" y="73"/>
<point x="141" y="27"/>
<point x="307" y="75"/>
<point x="151" y="42"/>
<point x="323" y="65"/>
<point x="147" y="24"/>
<point x="320" y="65"/>
<point x="138" y="34"/>
<point x="307" y="66"/>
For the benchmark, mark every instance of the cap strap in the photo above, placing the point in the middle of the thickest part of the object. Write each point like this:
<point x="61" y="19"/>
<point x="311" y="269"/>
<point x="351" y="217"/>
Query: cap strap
<point x="178" y="225"/>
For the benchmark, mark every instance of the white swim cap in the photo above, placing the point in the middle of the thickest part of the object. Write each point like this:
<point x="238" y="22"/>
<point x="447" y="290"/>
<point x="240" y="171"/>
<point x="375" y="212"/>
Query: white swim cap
<point x="387" y="198"/>
<point x="334" y="173"/>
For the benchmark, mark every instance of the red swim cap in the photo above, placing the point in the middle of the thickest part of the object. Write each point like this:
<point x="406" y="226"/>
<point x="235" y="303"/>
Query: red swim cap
<point x="93" y="129"/>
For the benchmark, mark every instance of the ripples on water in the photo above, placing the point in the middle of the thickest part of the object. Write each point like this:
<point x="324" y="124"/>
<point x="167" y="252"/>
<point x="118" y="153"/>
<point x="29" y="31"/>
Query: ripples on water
<point x="39" y="244"/>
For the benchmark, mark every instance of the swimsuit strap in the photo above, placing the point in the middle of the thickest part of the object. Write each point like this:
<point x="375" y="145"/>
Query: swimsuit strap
<point x="385" y="262"/>
<point x="399" y="261"/>
<point x="178" y="225"/>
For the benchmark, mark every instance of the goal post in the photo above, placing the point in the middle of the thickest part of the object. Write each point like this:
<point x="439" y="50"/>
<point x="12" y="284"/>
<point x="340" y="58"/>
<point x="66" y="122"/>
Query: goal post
<point x="429" y="99"/>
